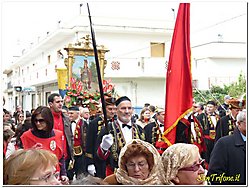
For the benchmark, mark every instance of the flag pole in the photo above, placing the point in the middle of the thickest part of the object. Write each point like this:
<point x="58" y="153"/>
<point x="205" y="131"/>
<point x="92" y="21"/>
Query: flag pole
<point x="98" y="70"/>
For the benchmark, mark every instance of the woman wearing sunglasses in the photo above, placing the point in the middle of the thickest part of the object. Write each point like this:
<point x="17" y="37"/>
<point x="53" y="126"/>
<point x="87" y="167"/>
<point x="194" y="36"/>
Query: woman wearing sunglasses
<point x="42" y="135"/>
<point x="183" y="165"/>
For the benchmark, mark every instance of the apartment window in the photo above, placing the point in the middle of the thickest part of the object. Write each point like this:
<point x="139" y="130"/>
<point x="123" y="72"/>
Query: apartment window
<point x="49" y="59"/>
<point x="33" y="101"/>
<point x="46" y="97"/>
<point x="157" y="49"/>
<point x="16" y="101"/>
<point x="39" y="99"/>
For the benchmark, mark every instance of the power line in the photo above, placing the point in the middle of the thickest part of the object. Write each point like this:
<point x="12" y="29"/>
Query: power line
<point x="218" y="23"/>
<point x="207" y="27"/>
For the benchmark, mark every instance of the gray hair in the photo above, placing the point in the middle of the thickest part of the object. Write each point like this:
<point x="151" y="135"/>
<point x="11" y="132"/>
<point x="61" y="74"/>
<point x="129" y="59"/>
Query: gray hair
<point x="241" y="116"/>
<point x="85" y="179"/>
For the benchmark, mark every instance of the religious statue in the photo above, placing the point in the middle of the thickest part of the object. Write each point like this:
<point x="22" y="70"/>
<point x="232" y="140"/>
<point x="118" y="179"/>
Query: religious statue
<point x="86" y="75"/>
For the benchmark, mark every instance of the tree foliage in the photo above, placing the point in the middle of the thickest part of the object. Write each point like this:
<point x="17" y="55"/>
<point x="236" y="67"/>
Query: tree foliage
<point x="217" y="93"/>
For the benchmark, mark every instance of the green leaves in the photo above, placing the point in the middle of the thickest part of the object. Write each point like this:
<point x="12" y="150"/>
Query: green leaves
<point x="236" y="90"/>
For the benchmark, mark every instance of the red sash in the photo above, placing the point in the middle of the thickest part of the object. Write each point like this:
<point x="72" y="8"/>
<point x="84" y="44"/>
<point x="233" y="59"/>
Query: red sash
<point x="108" y="170"/>
<point x="201" y="146"/>
<point x="77" y="133"/>
<point x="59" y="125"/>
<point x="161" y="146"/>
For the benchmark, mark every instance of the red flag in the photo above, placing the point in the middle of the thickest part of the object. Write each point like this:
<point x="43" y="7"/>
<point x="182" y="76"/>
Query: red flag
<point x="179" y="94"/>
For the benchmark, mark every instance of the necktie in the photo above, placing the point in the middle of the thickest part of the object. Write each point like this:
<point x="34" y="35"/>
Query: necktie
<point x="125" y="125"/>
<point x="73" y="121"/>
<point x="161" y="125"/>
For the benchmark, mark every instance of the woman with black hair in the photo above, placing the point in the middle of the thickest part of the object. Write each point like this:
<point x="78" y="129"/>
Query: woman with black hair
<point x="42" y="135"/>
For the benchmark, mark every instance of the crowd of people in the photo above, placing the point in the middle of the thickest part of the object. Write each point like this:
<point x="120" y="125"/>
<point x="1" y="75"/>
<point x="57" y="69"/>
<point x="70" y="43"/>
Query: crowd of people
<point x="60" y="145"/>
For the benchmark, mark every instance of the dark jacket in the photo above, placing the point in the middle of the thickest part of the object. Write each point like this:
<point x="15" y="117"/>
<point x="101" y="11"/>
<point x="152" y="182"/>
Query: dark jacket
<point x="184" y="134"/>
<point x="69" y="135"/>
<point x="112" y="155"/>
<point x="222" y="109"/>
<point x="228" y="157"/>
<point x="153" y="135"/>
<point x="152" y="132"/>
<point x="93" y="131"/>
<point x="224" y="127"/>
<point x="208" y="132"/>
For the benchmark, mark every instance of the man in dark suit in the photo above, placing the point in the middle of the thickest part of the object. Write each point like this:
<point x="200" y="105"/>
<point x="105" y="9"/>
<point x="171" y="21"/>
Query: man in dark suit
<point x="79" y="129"/>
<point x="223" y="109"/>
<point x="228" y="159"/>
<point x="227" y="124"/>
<point x="189" y="130"/>
<point x="96" y="167"/>
<point x="208" y="121"/>
<point x="154" y="131"/>
<point x="112" y="139"/>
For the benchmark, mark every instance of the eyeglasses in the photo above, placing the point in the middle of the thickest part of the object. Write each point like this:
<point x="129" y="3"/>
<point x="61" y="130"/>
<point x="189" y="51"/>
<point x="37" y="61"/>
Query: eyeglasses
<point x="47" y="177"/>
<point x="194" y="167"/>
<point x="141" y="165"/>
<point x="39" y="120"/>
<point x="21" y="116"/>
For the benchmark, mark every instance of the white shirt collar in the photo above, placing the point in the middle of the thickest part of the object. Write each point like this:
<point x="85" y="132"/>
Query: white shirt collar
<point x="121" y="123"/>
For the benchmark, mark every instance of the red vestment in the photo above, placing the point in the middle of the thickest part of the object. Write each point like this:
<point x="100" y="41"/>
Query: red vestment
<point x="53" y="144"/>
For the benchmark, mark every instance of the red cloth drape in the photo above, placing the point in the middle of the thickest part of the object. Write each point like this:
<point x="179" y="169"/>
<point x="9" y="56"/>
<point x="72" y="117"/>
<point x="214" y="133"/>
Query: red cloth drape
<point x="179" y="94"/>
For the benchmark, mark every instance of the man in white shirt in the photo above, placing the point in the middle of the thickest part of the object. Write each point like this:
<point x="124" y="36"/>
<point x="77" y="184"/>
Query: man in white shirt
<point x="208" y="121"/>
<point x="79" y="129"/>
<point x="85" y="114"/>
<point x="113" y="137"/>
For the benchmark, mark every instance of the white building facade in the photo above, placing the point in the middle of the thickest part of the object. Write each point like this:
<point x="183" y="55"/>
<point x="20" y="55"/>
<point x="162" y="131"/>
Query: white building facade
<point x="136" y="62"/>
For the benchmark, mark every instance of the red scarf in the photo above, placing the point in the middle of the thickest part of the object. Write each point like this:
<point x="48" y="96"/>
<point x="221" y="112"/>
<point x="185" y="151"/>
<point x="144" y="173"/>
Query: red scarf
<point x="58" y="121"/>
<point x="59" y="125"/>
